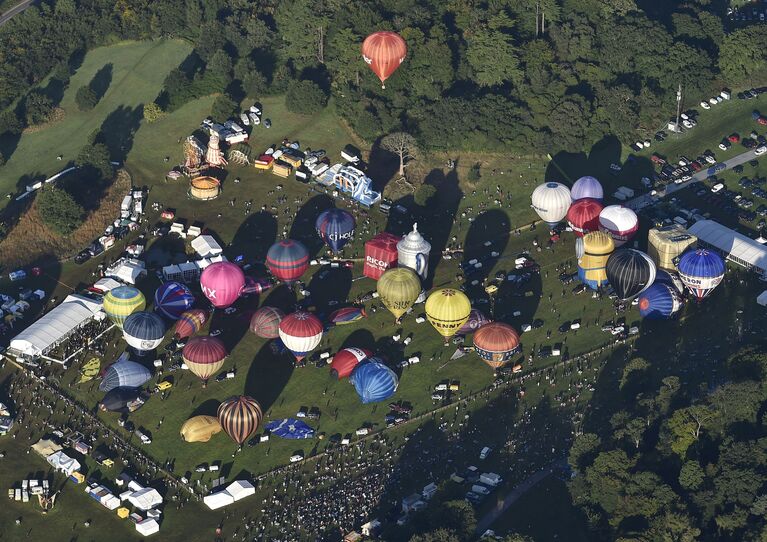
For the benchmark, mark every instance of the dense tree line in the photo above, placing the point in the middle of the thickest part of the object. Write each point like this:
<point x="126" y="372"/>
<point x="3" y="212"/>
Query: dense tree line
<point x="679" y="468"/>
<point x="479" y="74"/>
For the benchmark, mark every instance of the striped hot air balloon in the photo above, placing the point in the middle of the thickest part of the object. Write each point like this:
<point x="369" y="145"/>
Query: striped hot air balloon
<point x="287" y="260"/>
<point x="190" y="322"/>
<point x="476" y="320"/>
<point x="587" y="187"/>
<point x="336" y="228"/>
<point x="124" y="374"/>
<point x="300" y="332"/>
<point x="551" y="201"/>
<point x="659" y="302"/>
<point x="143" y="330"/>
<point x="172" y="298"/>
<point x="496" y="343"/>
<point x="204" y="356"/>
<point x="701" y="271"/>
<point x="398" y="288"/>
<point x="240" y="417"/>
<point x="374" y="381"/>
<point x="265" y="322"/>
<point x="347" y="315"/>
<point x="121" y="302"/>
<point x="200" y="428"/>
<point x="384" y="51"/>
<point x="346" y="360"/>
<point x="630" y="272"/>
<point x="447" y="310"/>
<point x="583" y="216"/>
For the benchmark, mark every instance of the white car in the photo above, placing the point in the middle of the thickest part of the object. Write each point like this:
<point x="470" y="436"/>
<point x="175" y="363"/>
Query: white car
<point x="244" y="118"/>
<point x="295" y="458"/>
<point x="760" y="150"/>
<point x="717" y="187"/>
<point x="712" y="101"/>
<point x="254" y="120"/>
<point x="705" y="105"/>
<point x="710" y="159"/>
<point x="723" y="146"/>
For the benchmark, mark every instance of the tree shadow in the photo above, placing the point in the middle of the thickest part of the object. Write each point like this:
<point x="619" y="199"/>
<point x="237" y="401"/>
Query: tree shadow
<point x="119" y="129"/>
<point x="254" y="237"/>
<point x="54" y="90"/>
<point x="101" y="80"/>
<point x="329" y="288"/>
<point x="383" y="165"/>
<point x="268" y="375"/>
<point x="302" y="229"/>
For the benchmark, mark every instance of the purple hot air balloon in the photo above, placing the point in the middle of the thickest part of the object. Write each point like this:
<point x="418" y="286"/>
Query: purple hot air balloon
<point x="222" y="283"/>
<point x="476" y="320"/>
<point x="587" y="187"/>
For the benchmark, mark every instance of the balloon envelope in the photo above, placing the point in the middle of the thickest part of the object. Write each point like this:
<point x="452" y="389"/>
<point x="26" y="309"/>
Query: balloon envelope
<point x="121" y="302"/>
<point x="447" y="310"/>
<point x="204" y="356"/>
<point x="476" y="320"/>
<point x="384" y="52"/>
<point x="290" y="428"/>
<point x="300" y="332"/>
<point x="143" y="330"/>
<point x="123" y="400"/>
<point x="583" y="216"/>
<point x="190" y="322"/>
<point x="200" y="428"/>
<point x="124" y="374"/>
<point x="551" y="201"/>
<point x="347" y="315"/>
<point x="346" y="360"/>
<point x="630" y="272"/>
<point x="496" y="343"/>
<point x="287" y="260"/>
<point x="621" y="223"/>
<point x="265" y="322"/>
<point x="171" y="299"/>
<point x="398" y="289"/>
<point x="335" y="227"/>
<point x="659" y="302"/>
<point x="587" y="187"/>
<point x="374" y="381"/>
<point x="701" y="271"/>
<point x="592" y="265"/>
<point x="239" y="417"/>
<point x="222" y="283"/>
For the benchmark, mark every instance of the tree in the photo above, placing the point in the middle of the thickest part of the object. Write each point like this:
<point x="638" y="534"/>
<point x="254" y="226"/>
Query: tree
<point x="305" y="97"/>
<point x="516" y="537"/>
<point x="583" y="446"/>
<point x="10" y="123"/>
<point x="691" y="475"/>
<point x="424" y="194"/>
<point x="223" y="107"/>
<point x="86" y="98"/>
<point x="59" y="210"/>
<point x="404" y="146"/>
<point x="742" y="54"/>
<point x="440" y="535"/>
<point x="493" y="42"/>
<point x="633" y="370"/>
<point x="685" y="425"/>
<point x="153" y="112"/>
<point x="96" y="157"/>
<point x="37" y="108"/>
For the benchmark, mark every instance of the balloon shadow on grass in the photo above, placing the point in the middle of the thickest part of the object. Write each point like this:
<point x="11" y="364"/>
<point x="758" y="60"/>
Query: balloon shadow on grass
<point x="303" y="229"/>
<point x="492" y="227"/>
<point x="206" y="408"/>
<point x="330" y="288"/>
<point x="282" y="297"/>
<point x="254" y="237"/>
<point x="359" y="338"/>
<point x="268" y="375"/>
<point x="436" y="222"/>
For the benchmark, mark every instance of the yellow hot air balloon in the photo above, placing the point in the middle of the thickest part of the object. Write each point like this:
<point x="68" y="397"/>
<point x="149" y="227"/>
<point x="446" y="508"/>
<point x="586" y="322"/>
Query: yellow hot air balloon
<point x="200" y="428"/>
<point x="597" y="247"/>
<point x="398" y="289"/>
<point x="121" y="302"/>
<point x="447" y="310"/>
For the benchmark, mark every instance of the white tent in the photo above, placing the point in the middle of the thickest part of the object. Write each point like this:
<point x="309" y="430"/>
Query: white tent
<point x="105" y="285"/>
<point x="61" y="461"/>
<point x="127" y="270"/>
<point x="148" y="527"/>
<point x="45" y="447"/>
<point x="762" y="299"/>
<point x="736" y="247"/>
<point x="206" y="246"/>
<point x="145" y="499"/>
<point x="217" y="500"/>
<point x="240" y="489"/>
<point x="55" y="326"/>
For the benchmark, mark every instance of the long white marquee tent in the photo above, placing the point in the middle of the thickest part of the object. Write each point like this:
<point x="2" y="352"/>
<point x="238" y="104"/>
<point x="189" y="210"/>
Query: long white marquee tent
<point x="734" y="246"/>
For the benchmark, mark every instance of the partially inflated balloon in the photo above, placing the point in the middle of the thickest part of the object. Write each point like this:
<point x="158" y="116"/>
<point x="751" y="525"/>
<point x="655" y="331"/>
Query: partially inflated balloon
<point x="172" y="298"/>
<point x="190" y="322"/>
<point x="346" y="360"/>
<point x="265" y="322"/>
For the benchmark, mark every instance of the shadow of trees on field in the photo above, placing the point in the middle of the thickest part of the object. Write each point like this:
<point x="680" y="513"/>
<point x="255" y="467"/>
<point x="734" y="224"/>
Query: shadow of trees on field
<point x="302" y="228"/>
<point x="267" y="376"/>
<point x="101" y="80"/>
<point x="436" y="222"/>
<point x="382" y="166"/>
<point x="491" y="226"/>
<point x="119" y="129"/>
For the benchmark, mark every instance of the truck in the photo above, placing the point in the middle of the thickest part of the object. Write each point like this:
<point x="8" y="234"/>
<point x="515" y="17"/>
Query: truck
<point x="626" y="190"/>
<point x="126" y="203"/>
<point x="490" y="478"/>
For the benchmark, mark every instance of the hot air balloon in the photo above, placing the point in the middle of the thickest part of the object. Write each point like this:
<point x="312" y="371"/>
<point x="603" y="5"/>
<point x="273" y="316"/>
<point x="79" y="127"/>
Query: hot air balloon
<point x="121" y="302"/>
<point x="621" y="223"/>
<point x="124" y="374"/>
<point x="659" y="302"/>
<point x="701" y="271"/>
<point x="287" y="260"/>
<point x="172" y="298"/>
<point x="123" y="400"/>
<point x="346" y="360"/>
<point x="551" y="201"/>
<point x="597" y="247"/>
<point x="384" y="52"/>
<point x="204" y="356"/>
<point x="347" y="315"/>
<point x="190" y="322"/>
<point x="398" y="289"/>
<point x="300" y="332"/>
<point x="265" y="322"/>
<point x="200" y="428"/>
<point x="374" y="381"/>
<point x="476" y="320"/>
<point x="143" y="330"/>
<point x="239" y="417"/>
<point x="222" y="283"/>
<point x="336" y="228"/>
<point x="495" y="343"/>
<point x="583" y="216"/>
<point x="587" y="187"/>
<point x="447" y="310"/>
<point x="630" y="272"/>
<point x="672" y="279"/>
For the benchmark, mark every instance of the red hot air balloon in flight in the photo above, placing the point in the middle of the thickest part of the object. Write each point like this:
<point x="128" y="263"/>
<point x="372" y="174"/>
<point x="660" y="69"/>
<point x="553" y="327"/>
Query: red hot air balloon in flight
<point x="384" y="52"/>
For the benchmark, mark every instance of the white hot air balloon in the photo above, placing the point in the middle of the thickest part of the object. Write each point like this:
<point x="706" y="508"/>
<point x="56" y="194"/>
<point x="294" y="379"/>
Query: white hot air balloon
<point x="551" y="201"/>
<point x="620" y="223"/>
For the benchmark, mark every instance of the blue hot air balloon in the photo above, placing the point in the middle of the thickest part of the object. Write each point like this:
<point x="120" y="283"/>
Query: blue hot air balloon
<point x="124" y="373"/>
<point x="701" y="271"/>
<point x="336" y="228"/>
<point x="659" y="302"/>
<point x="664" y="277"/>
<point x="143" y="330"/>
<point x="374" y="381"/>
<point x="171" y="299"/>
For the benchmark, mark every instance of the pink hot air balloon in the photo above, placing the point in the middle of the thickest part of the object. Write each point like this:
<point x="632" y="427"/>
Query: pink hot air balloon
<point x="222" y="283"/>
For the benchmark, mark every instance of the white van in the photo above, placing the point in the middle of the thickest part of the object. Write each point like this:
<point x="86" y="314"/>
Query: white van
<point x="484" y="453"/>
<point x="717" y="187"/>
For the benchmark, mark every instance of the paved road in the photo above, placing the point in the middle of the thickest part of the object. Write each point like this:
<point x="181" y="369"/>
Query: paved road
<point x="515" y="493"/>
<point x="646" y="199"/>
<point x="15" y="10"/>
